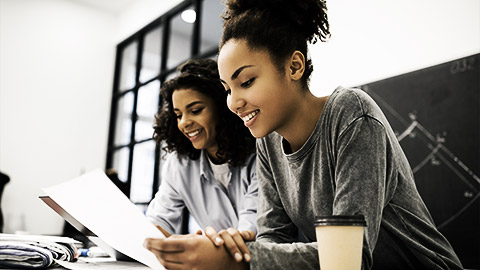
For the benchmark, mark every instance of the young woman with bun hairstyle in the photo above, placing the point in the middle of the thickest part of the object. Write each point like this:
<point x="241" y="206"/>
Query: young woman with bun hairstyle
<point x="211" y="168"/>
<point x="316" y="156"/>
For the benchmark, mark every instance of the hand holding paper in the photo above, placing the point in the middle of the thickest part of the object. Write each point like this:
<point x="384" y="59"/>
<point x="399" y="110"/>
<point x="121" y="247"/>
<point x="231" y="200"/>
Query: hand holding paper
<point x="108" y="213"/>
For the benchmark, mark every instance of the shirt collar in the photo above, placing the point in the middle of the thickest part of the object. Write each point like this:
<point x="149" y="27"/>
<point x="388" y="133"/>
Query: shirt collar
<point x="205" y="170"/>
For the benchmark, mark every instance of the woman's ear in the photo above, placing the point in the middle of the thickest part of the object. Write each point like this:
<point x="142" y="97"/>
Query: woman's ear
<point x="297" y="65"/>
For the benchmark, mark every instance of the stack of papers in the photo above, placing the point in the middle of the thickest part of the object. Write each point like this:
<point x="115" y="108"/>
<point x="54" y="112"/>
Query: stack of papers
<point x="35" y="251"/>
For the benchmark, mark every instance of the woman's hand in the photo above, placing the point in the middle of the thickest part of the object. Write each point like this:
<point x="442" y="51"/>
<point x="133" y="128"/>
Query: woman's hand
<point x="191" y="251"/>
<point x="234" y="241"/>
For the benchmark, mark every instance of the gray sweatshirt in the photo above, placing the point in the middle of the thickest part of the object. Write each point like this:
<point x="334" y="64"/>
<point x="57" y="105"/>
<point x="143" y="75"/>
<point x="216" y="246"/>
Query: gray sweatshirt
<point x="352" y="163"/>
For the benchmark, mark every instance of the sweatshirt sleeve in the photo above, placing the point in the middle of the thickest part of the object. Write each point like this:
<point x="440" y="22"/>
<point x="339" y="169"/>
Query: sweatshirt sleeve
<point x="276" y="256"/>
<point x="360" y="177"/>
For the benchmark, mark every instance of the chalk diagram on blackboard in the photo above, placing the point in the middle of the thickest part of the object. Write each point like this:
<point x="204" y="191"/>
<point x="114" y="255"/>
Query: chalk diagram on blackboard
<point x="439" y="153"/>
<point x="435" y="113"/>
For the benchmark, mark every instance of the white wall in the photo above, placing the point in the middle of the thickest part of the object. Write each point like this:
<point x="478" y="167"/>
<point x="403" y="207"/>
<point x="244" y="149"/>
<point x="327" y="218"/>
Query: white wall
<point x="376" y="39"/>
<point x="140" y="14"/>
<point x="56" y="73"/>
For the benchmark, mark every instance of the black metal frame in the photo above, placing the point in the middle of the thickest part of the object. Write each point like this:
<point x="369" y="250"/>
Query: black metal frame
<point x="139" y="37"/>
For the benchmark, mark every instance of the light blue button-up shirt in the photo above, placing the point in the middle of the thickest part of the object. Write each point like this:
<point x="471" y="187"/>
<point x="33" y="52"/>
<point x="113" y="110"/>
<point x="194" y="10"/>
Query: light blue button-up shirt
<point x="191" y="183"/>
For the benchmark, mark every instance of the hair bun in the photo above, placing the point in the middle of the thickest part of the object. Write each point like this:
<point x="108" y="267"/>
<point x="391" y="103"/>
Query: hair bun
<point x="200" y="67"/>
<point x="307" y="16"/>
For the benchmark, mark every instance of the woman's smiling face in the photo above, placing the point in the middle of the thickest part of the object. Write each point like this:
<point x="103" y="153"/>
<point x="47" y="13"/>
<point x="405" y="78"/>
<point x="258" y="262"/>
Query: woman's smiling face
<point x="196" y="118"/>
<point x="258" y="92"/>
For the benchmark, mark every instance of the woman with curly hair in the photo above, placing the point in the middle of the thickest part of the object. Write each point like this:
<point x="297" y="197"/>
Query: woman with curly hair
<point x="317" y="156"/>
<point x="210" y="168"/>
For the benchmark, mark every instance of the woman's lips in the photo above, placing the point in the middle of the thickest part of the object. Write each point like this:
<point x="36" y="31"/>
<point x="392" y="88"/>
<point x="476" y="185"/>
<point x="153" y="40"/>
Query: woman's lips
<point x="250" y="118"/>
<point x="193" y="135"/>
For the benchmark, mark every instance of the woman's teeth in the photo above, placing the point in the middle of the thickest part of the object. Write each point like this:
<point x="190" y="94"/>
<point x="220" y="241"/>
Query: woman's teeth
<point x="249" y="116"/>
<point x="195" y="133"/>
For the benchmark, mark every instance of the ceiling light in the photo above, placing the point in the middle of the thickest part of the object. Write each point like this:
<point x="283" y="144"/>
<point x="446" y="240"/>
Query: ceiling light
<point x="189" y="15"/>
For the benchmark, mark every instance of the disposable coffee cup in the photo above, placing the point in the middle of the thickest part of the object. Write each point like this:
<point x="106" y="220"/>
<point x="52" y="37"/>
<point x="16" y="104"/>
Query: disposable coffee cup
<point x="340" y="241"/>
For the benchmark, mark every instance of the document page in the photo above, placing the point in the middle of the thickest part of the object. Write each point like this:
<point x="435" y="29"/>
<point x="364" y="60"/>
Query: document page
<point x="108" y="213"/>
<point x="102" y="264"/>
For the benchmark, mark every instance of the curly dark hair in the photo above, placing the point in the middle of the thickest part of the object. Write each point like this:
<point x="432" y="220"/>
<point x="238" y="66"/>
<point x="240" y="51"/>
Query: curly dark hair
<point x="278" y="26"/>
<point x="235" y="143"/>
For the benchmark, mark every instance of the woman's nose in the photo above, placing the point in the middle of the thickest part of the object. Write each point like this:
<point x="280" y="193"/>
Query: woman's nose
<point x="235" y="102"/>
<point x="184" y="122"/>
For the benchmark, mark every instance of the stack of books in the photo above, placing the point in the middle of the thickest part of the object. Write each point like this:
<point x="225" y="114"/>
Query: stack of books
<point x="35" y="251"/>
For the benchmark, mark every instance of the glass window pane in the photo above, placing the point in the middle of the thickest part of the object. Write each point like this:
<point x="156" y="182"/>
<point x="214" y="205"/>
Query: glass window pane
<point x="147" y="107"/>
<point x="127" y="73"/>
<point x="152" y="54"/>
<point x="143" y="130"/>
<point x="142" y="172"/>
<point x="123" y="124"/>
<point x="120" y="163"/>
<point x="180" y="42"/>
<point x="211" y="25"/>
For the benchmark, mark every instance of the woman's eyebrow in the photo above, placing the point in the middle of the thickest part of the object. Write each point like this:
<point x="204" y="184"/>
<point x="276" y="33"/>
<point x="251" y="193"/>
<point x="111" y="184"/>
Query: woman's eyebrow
<point x="237" y="72"/>
<point x="193" y="104"/>
<point x="189" y="105"/>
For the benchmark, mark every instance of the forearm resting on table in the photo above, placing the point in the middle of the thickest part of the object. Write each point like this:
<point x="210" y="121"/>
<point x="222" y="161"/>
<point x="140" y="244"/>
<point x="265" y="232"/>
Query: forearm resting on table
<point x="269" y="255"/>
<point x="191" y="252"/>
<point x="233" y="240"/>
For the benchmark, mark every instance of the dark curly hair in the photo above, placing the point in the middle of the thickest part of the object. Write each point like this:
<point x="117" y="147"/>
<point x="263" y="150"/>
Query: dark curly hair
<point x="235" y="143"/>
<point x="278" y="26"/>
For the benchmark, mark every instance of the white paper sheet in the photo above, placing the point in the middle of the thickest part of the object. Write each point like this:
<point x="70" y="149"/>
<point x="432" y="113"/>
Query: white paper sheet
<point x="99" y="205"/>
<point x="101" y="264"/>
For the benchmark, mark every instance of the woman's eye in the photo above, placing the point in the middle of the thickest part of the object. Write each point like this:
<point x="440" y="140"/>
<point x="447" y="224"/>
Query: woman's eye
<point x="248" y="83"/>
<point x="178" y="116"/>
<point x="197" y="111"/>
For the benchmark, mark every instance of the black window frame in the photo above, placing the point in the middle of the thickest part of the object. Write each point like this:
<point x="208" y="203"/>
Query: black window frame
<point x="163" y="21"/>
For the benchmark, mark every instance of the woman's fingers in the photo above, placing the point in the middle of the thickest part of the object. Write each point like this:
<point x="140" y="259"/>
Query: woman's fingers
<point x="233" y="242"/>
<point x="240" y="243"/>
<point x="164" y="245"/>
<point x="212" y="234"/>
<point x="248" y="235"/>
<point x="169" y="251"/>
<point x="224" y="238"/>
<point x="168" y="264"/>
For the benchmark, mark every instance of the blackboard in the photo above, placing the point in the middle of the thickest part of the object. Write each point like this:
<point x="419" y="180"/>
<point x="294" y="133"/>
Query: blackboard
<point x="435" y="114"/>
